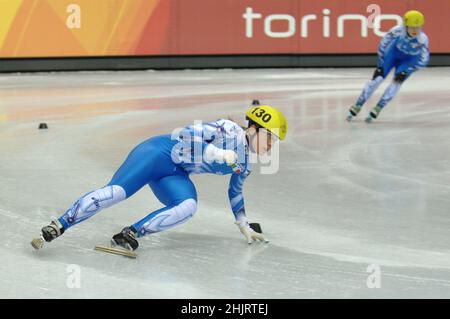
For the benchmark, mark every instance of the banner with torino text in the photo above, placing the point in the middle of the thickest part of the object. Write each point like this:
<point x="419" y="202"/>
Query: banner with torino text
<point x="85" y="28"/>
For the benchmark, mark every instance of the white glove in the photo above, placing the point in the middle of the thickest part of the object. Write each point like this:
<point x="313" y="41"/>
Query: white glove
<point x="230" y="157"/>
<point x="248" y="232"/>
<point x="213" y="153"/>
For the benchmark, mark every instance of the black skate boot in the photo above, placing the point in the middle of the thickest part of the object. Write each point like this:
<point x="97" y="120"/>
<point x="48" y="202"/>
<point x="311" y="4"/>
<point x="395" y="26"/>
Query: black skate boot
<point x="374" y="114"/>
<point x="48" y="233"/>
<point x="354" y="110"/>
<point x="126" y="239"/>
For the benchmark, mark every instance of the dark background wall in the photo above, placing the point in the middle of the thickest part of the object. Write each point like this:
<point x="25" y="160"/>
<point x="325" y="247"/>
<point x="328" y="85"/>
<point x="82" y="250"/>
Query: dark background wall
<point x="197" y="62"/>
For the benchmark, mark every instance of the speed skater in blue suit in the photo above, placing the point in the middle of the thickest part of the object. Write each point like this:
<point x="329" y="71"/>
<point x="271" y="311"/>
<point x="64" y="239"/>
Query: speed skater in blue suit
<point x="165" y="162"/>
<point x="405" y="48"/>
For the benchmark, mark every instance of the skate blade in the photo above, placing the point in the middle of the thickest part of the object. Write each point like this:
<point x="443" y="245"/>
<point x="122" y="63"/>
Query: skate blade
<point x="349" y="118"/>
<point x="37" y="243"/>
<point x="116" y="251"/>
<point x="369" y="120"/>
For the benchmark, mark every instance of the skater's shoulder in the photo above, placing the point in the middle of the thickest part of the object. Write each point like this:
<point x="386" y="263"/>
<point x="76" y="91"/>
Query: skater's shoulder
<point x="227" y="122"/>
<point x="397" y="30"/>
<point x="230" y="126"/>
<point x="422" y="38"/>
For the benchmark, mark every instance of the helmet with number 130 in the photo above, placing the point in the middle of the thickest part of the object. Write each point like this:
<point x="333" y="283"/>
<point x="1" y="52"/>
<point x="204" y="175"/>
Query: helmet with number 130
<point x="270" y="118"/>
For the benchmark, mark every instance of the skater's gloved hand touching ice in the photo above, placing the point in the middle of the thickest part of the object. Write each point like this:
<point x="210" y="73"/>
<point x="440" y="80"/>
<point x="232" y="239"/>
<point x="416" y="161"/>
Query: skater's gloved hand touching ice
<point x="249" y="234"/>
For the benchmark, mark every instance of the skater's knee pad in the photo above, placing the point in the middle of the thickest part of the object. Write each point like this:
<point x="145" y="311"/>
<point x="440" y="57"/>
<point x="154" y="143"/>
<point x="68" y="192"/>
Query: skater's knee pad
<point x="401" y="77"/>
<point x="378" y="72"/>
<point x="186" y="209"/>
<point x="101" y="198"/>
<point x="171" y="217"/>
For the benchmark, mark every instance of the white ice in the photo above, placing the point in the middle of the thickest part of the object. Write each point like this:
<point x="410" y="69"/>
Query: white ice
<point x="349" y="198"/>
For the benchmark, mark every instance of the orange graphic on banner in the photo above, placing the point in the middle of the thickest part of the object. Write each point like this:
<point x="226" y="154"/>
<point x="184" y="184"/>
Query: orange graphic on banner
<point x="40" y="28"/>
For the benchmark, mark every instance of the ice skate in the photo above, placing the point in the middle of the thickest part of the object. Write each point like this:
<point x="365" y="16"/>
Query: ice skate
<point x="354" y="110"/>
<point x="125" y="239"/>
<point x="48" y="233"/>
<point x="123" y="243"/>
<point x="373" y="114"/>
<point x="116" y="251"/>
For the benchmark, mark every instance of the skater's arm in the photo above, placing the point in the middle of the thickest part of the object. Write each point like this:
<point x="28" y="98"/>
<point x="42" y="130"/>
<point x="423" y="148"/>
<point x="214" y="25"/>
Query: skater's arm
<point x="199" y="139"/>
<point x="212" y="153"/>
<point x="237" y="205"/>
<point x="235" y="194"/>
<point x="387" y="40"/>
<point x="196" y="137"/>
<point x="424" y="53"/>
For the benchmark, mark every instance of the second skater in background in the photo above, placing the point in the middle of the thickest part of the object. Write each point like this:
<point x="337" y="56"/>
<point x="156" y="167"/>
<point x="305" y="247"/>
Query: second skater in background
<point x="404" y="47"/>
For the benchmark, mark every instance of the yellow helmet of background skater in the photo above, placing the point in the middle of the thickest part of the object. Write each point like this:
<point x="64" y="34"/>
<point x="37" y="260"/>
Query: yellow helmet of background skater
<point x="269" y="118"/>
<point x="414" y="18"/>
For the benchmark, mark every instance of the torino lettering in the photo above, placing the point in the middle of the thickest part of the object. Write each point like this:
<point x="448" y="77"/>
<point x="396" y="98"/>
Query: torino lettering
<point x="371" y="22"/>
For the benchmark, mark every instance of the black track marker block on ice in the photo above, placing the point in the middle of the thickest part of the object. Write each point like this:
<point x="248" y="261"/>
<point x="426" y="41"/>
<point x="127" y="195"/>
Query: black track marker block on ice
<point x="256" y="227"/>
<point x="255" y="102"/>
<point x="43" y="126"/>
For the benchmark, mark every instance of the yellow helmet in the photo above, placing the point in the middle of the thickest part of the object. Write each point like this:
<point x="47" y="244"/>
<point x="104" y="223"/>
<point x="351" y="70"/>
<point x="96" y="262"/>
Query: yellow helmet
<point x="269" y="118"/>
<point x="413" y="18"/>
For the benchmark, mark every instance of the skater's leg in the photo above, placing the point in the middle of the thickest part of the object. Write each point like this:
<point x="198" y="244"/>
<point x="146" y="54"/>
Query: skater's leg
<point x="367" y="92"/>
<point x="179" y="195"/>
<point x="402" y="73"/>
<point x="145" y="162"/>
<point x="148" y="161"/>
<point x="87" y="206"/>
<point x="371" y="87"/>
<point x="91" y="203"/>
<point x="390" y="92"/>
<point x="384" y="67"/>
<point x="130" y="177"/>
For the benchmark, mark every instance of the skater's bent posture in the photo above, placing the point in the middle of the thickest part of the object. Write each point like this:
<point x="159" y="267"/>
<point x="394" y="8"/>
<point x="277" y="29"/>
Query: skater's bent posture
<point x="165" y="162"/>
<point x="404" y="47"/>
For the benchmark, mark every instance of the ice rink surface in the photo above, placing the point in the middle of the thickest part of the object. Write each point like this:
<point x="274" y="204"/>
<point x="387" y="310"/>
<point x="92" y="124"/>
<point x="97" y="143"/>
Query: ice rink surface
<point x="351" y="203"/>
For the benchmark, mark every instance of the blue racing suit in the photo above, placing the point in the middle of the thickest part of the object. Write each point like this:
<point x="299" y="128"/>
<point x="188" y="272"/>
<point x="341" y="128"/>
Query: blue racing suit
<point x="164" y="163"/>
<point x="397" y="49"/>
